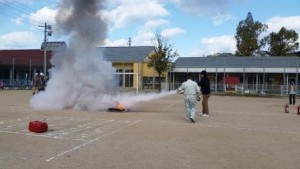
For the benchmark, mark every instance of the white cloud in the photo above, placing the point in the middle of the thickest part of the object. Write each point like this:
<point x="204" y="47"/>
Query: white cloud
<point x="20" y="20"/>
<point x="125" y="13"/>
<point x="220" y="19"/>
<point x="291" y="22"/>
<point x="39" y="17"/>
<point x="43" y="15"/>
<point x="119" y="42"/>
<point x="277" y="22"/>
<point x="202" y="7"/>
<point x="172" y="32"/>
<point x="19" y="1"/>
<point x="16" y="40"/>
<point x="219" y="44"/>
<point x="155" y="23"/>
<point x="146" y="34"/>
<point x="213" y="45"/>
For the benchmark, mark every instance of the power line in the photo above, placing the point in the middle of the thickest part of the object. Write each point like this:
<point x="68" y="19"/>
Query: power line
<point x="29" y="10"/>
<point x="17" y="10"/>
<point x="13" y="16"/>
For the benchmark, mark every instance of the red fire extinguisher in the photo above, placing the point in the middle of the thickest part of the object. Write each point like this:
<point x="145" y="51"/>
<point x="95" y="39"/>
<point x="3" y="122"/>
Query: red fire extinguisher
<point x="286" y="108"/>
<point x="298" y="110"/>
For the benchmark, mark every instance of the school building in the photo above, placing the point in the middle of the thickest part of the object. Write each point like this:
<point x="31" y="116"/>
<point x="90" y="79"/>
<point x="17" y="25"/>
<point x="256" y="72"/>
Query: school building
<point x="261" y="75"/>
<point x="17" y="67"/>
<point x="258" y="75"/>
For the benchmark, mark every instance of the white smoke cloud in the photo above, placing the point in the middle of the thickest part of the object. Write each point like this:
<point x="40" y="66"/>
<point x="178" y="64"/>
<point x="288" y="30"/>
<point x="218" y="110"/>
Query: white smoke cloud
<point x="82" y="79"/>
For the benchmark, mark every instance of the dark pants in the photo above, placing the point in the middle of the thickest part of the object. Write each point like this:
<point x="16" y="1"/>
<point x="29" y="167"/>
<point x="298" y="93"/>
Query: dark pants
<point x="292" y="99"/>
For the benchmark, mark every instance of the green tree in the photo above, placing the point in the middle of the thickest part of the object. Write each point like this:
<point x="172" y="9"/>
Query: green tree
<point x="247" y="36"/>
<point x="283" y="43"/>
<point x="160" y="59"/>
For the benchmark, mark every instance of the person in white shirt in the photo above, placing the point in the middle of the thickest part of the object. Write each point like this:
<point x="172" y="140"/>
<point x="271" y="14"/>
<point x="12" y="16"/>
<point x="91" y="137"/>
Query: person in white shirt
<point x="191" y="92"/>
<point x="292" y="93"/>
<point x="35" y="82"/>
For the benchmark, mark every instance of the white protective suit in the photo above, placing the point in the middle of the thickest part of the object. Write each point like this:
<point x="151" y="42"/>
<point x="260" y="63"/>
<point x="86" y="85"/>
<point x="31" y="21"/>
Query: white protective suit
<point x="191" y="91"/>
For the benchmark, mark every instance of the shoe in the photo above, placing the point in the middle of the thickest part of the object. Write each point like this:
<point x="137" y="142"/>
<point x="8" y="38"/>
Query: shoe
<point x="192" y="120"/>
<point x="188" y="121"/>
<point x="205" y="115"/>
<point x="201" y="114"/>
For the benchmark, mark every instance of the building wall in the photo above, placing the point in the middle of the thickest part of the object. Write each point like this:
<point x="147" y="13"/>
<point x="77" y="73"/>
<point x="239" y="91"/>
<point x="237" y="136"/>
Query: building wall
<point x="141" y="72"/>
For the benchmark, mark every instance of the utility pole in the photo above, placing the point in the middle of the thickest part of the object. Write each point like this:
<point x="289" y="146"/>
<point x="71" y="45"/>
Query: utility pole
<point x="47" y="32"/>
<point x="129" y="42"/>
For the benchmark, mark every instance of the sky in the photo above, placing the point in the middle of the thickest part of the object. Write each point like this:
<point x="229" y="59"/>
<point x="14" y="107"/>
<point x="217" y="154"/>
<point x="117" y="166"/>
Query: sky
<point x="194" y="28"/>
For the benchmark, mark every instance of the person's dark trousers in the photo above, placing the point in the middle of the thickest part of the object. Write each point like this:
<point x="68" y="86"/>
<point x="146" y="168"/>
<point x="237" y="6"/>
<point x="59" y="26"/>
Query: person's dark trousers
<point x="292" y="99"/>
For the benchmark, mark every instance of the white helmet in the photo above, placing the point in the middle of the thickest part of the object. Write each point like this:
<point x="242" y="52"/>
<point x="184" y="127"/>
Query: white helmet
<point x="41" y="74"/>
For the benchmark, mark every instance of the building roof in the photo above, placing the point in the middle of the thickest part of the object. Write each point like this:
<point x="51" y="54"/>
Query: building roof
<point x="126" y="54"/>
<point x="36" y="56"/>
<point x="238" y="62"/>
<point x="23" y="57"/>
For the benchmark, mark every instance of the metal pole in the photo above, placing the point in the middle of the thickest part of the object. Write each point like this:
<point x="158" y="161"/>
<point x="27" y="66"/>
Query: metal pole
<point x="13" y="73"/>
<point x="284" y="74"/>
<point x="244" y="76"/>
<point x="45" y="50"/>
<point x="216" y="81"/>
<point x="224" y="85"/>
<point x="139" y="76"/>
<point x="173" y="76"/>
<point x="154" y="85"/>
<point x="264" y="76"/>
<point x="216" y="78"/>
<point x="297" y="71"/>
<point x="123" y="78"/>
<point x="137" y="84"/>
<point x="256" y="85"/>
<point x="29" y="80"/>
<point x="170" y="77"/>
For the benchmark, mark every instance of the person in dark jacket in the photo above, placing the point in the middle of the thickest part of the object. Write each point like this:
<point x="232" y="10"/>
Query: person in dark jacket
<point x="204" y="84"/>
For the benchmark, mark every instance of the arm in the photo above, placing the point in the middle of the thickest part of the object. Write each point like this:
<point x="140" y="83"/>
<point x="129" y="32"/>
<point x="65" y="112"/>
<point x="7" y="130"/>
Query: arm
<point x="181" y="88"/>
<point x="198" y="90"/>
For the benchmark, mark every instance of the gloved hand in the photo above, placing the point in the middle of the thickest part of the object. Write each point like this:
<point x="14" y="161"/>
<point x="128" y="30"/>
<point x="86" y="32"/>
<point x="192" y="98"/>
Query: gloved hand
<point x="198" y="98"/>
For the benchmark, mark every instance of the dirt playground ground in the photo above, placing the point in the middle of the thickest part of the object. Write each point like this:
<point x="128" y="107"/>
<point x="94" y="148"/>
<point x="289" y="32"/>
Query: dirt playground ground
<point x="241" y="133"/>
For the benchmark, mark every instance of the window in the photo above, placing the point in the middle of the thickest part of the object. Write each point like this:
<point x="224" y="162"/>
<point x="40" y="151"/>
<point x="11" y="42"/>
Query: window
<point x="128" y="78"/>
<point x="148" y="82"/>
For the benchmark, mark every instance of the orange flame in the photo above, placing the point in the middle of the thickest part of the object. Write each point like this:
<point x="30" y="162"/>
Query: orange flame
<point x="120" y="106"/>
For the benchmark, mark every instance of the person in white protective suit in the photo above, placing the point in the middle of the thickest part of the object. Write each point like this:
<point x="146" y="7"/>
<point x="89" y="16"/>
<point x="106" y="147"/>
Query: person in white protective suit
<point x="191" y="92"/>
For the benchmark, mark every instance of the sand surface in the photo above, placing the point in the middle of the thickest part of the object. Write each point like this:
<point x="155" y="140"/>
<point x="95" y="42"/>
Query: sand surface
<point x="241" y="133"/>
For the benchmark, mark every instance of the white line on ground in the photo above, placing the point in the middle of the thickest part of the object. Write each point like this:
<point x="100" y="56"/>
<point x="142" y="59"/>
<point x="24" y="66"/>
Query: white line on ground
<point x="237" y="127"/>
<point x="40" y="135"/>
<point x="89" y="142"/>
<point x="252" y="113"/>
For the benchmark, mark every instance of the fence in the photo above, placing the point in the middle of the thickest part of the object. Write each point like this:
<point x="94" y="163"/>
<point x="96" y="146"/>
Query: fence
<point x="15" y="84"/>
<point x="250" y="89"/>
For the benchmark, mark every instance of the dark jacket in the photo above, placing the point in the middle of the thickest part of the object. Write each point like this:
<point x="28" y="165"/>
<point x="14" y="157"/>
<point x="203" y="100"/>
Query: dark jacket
<point x="204" y="84"/>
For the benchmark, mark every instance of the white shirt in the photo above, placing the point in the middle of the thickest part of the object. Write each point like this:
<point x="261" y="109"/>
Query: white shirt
<point x="189" y="87"/>
<point x="292" y="90"/>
